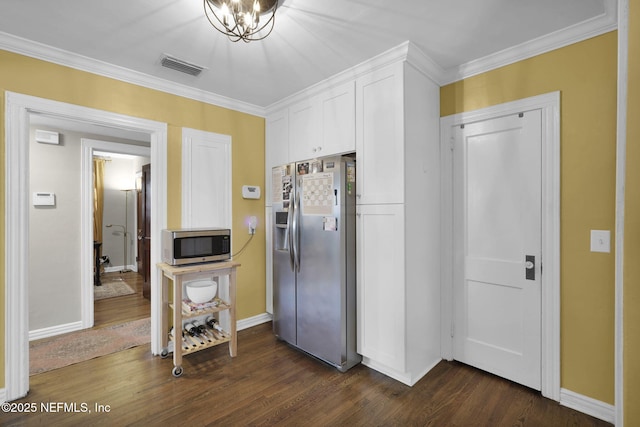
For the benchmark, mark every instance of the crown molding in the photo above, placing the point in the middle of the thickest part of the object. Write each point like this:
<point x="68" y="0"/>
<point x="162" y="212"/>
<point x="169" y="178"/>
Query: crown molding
<point x="407" y="51"/>
<point x="604" y="23"/>
<point x="65" y="58"/>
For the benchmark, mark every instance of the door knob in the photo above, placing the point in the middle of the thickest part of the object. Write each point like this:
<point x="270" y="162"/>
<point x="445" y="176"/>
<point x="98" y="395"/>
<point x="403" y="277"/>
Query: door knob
<point x="530" y="267"/>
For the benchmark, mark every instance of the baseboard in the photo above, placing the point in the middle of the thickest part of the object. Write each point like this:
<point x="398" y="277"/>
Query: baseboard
<point x="3" y="395"/>
<point x="54" y="330"/>
<point x="587" y="405"/>
<point x="253" y="321"/>
<point x="118" y="268"/>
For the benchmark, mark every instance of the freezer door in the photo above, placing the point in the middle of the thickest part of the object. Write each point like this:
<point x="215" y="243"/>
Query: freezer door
<point x="321" y="284"/>
<point x="284" y="278"/>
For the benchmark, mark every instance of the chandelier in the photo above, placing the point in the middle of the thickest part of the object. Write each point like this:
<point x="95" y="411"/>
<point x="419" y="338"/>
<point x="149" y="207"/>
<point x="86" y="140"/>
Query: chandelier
<point x="242" y="19"/>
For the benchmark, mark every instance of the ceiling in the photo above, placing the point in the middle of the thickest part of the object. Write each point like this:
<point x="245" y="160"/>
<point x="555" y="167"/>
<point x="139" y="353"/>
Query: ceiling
<point x="312" y="39"/>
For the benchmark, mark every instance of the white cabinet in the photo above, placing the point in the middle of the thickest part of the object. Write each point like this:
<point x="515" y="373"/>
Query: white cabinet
<point x="268" y="218"/>
<point x="276" y="146"/>
<point x="380" y="136"/>
<point x="304" y="129"/>
<point x="398" y="221"/>
<point x="323" y="124"/>
<point x="276" y="154"/>
<point x="380" y="284"/>
<point x="338" y="127"/>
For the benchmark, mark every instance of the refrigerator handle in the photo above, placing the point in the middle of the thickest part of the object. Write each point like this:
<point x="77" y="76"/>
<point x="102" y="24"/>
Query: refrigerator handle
<point x="290" y="234"/>
<point x="296" y="230"/>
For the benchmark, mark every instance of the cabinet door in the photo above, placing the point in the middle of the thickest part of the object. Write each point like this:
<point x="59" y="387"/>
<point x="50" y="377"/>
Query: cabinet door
<point x="304" y="120"/>
<point x="338" y="107"/>
<point x="276" y="146"/>
<point x="381" y="284"/>
<point x="268" y="228"/>
<point x="380" y="136"/>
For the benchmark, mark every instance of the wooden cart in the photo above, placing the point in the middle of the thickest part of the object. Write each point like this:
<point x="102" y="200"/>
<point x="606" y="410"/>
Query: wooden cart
<point x="186" y="345"/>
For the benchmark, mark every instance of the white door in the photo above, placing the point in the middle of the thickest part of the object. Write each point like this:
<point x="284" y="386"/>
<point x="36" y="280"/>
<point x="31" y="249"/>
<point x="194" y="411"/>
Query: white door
<point x="497" y="246"/>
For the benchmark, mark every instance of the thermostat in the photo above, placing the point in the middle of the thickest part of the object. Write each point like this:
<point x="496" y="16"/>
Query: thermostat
<point x="44" y="199"/>
<point x="250" y="192"/>
<point x="47" y="137"/>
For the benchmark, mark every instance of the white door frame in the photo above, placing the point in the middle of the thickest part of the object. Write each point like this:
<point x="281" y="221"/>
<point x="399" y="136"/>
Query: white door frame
<point x="18" y="108"/>
<point x="86" y="202"/>
<point x="550" y="106"/>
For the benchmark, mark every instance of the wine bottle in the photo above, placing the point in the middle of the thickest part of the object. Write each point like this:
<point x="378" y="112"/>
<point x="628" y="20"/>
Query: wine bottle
<point x="191" y="329"/>
<point x="200" y="327"/>
<point x="212" y="322"/>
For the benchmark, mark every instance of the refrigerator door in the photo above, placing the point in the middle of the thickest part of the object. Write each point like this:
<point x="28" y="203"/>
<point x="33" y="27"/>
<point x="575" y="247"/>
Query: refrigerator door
<point x="284" y="277"/>
<point x="322" y="279"/>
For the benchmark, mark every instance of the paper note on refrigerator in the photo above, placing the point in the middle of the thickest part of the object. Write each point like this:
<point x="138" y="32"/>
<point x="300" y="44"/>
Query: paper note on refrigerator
<point x="318" y="197"/>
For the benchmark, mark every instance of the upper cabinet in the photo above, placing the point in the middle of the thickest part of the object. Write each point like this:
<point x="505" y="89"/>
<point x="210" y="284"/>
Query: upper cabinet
<point x="338" y="130"/>
<point x="322" y="124"/>
<point x="276" y="146"/>
<point x="380" y="144"/>
<point x="304" y="129"/>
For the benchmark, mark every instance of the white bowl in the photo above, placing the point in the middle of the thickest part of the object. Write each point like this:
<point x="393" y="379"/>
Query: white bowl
<point x="200" y="291"/>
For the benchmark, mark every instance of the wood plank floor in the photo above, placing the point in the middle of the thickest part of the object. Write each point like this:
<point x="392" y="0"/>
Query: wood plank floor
<point x="269" y="383"/>
<point x="113" y="311"/>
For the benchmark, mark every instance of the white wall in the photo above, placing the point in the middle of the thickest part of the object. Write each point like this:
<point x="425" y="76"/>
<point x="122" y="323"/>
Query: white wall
<point x="54" y="233"/>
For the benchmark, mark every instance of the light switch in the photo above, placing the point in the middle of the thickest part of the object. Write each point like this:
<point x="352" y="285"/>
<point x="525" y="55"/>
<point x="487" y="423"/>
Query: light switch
<point x="600" y="241"/>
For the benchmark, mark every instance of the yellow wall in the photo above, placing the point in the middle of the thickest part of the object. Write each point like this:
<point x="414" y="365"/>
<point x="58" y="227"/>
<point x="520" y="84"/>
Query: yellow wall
<point x="42" y="79"/>
<point x="631" y="381"/>
<point x="586" y="74"/>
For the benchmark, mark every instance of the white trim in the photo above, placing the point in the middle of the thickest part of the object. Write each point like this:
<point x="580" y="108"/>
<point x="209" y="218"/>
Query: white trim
<point x="590" y="28"/>
<point x="54" y="330"/>
<point x="3" y="395"/>
<point x="66" y="58"/>
<point x="88" y="146"/>
<point x="587" y="405"/>
<point x="593" y="27"/>
<point x="18" y="108"/>
<point x="621" y="160"/>
<point x="550" y="106"/>
<point x="250" y="322"/>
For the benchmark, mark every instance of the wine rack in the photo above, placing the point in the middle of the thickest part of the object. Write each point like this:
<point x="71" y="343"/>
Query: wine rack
<point x="183" y="343"/>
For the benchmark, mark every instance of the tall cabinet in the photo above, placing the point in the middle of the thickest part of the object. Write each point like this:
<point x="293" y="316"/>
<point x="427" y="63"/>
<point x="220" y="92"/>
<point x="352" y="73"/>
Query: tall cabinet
<point x="387" y="111"/>
<point x="398" y="221"/>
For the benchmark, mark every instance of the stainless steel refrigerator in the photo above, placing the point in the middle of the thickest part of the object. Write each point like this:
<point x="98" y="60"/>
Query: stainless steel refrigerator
<point x="314" y="258"/>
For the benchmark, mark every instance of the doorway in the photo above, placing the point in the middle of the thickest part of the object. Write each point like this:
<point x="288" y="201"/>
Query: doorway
<point x="19" y="109"/>
<point x="119" y="281"/>
<point x="453" y="264"/>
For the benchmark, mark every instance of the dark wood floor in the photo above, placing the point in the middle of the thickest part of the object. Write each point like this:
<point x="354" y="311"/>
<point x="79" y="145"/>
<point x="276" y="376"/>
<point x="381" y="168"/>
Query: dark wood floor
<point x="269" y="383"/>
<point x="113" y="311"/>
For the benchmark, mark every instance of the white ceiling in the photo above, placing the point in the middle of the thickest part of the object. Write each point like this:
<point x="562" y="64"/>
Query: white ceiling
<point x="312" y="39"/>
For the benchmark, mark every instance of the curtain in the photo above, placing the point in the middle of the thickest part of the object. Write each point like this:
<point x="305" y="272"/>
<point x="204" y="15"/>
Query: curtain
<point x="98" y="198"/>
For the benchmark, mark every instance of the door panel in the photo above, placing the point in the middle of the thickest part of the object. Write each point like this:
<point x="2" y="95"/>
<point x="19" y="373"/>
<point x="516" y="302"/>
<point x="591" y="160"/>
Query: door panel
<point x="497" y="205"/>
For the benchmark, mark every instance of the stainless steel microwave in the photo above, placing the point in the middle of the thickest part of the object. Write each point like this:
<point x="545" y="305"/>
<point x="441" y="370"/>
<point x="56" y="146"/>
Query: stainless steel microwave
<point x="195" y="245"/>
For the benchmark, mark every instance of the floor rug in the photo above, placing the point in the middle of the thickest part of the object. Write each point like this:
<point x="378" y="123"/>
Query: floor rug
<point x="56" y="352"/>
<point x="112" y="288"/>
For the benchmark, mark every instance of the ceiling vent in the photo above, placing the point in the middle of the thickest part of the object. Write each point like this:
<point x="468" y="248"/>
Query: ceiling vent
<point x="180" y="65"/>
